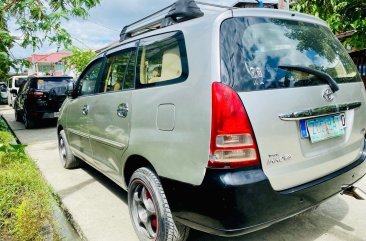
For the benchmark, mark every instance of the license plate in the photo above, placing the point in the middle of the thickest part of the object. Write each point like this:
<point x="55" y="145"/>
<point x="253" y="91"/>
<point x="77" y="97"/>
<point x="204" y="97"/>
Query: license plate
<point x="56" y="114"/>
<point x="323" y="128"/>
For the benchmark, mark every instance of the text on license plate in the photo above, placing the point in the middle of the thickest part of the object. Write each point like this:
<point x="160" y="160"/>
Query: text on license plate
<point x="323" y="128"/>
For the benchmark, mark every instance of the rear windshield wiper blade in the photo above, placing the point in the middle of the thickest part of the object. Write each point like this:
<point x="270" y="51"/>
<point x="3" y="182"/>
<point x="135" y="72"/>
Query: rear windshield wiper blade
<point x="324" y="76"/>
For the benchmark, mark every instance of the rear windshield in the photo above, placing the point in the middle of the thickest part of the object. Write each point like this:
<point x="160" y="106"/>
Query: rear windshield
<point x="46" y="84"/>
<point x="252" y="49"/>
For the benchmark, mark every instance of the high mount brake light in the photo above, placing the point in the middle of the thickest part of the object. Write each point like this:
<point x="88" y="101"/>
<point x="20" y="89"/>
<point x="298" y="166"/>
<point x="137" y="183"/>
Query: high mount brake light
<point x="233" y="143"/>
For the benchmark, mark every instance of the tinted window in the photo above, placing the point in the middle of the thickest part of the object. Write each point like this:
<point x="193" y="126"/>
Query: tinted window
<point x="162" y="60"/>
<point x="120" y="69"/>
<point x="252" y="49"/>
<point x="20" y="81"/>
<point x="88" y="80"/>
<point x="46" y="84"/>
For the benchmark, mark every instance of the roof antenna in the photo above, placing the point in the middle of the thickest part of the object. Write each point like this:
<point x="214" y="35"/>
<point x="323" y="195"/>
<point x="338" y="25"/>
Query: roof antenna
<point x="182" y="10"/>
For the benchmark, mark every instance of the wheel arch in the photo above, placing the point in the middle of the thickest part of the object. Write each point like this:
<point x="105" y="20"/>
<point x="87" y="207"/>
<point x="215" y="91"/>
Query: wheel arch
<point x="59" y="128"/>
<point x="133" y="163"/>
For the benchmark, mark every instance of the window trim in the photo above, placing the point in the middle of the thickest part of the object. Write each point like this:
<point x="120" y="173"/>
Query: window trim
<point x="179" y="36"/>
<point x="92" y="63"/>
<point x="106" y="56"/>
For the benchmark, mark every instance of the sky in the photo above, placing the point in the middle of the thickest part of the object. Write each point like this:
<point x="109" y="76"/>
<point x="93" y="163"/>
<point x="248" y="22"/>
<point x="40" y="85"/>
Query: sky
<point x="104" y="24"/>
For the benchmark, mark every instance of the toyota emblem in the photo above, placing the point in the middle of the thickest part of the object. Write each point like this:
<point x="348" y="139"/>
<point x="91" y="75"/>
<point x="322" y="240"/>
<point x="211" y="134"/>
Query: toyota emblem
<point x="328" y="95"/>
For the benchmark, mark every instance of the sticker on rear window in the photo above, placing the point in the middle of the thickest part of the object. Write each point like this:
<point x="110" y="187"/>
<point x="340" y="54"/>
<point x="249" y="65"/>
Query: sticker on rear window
<point x="40" y="84"/>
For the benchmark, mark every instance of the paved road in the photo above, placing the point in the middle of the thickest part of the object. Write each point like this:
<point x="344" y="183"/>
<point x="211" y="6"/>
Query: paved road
<point x="99" y="210"/>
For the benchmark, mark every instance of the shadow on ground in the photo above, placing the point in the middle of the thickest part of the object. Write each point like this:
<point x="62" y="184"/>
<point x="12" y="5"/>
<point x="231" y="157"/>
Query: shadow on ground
<point x="309" y="226"/>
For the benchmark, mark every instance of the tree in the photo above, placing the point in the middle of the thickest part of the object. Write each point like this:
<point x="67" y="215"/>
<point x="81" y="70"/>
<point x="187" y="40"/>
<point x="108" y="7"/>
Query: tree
<point x="39" y="22"/>
<point x="341" y="15"/>
<point x="79" y="59"/>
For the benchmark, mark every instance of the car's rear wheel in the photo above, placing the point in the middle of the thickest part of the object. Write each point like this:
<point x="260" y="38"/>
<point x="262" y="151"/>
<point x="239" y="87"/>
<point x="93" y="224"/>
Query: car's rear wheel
<point x="28" y="122"/>
<point x="149" y="209"/>
<point x="68" y="160"/>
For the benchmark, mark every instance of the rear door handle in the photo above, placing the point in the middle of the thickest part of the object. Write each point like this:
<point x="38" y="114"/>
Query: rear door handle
<point x="85" y="110"/>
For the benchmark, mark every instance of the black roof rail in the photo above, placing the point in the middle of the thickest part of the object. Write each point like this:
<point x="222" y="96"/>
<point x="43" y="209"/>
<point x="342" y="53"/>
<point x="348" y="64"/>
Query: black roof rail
<point x="180" y="11"/>
<point x="183" y="10"/>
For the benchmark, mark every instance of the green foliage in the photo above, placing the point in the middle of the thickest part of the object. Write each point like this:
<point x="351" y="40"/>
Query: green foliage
<point x="79" y="59"/>
<point x="341" y="15"/>
<point x="26" y="201"/>
<point x="3" y="125"/>
<point x="39" y="22"/>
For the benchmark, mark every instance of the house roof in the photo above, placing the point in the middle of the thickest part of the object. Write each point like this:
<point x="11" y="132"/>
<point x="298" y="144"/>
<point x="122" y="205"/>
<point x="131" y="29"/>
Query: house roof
<point x="48" y="58"/>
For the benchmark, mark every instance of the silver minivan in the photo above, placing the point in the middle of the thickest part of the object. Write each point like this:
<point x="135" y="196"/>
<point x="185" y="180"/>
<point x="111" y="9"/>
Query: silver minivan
<point x="221" y="119"/>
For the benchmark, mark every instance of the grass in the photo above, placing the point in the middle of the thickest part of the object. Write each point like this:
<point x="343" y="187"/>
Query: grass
<point x="25" y="199"/>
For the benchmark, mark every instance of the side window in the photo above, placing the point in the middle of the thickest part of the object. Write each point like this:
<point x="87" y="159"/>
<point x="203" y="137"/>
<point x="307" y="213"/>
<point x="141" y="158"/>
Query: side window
<point x="129" y="82"/>
<point x="120" y="70"/>
<point x="88" y="80"/>
<point x="162" y="60"/>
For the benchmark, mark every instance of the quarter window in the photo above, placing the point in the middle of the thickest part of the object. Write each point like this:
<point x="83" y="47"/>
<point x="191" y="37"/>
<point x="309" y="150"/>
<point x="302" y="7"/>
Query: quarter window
<point x="162" y="60"/>
<point x="87" y="82"/>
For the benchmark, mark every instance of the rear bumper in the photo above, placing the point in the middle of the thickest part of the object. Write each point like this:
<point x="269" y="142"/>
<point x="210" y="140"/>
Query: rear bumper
<point x="40" y="115"/>
<point x="235" y="202"/>
<point x="36" y="112"/>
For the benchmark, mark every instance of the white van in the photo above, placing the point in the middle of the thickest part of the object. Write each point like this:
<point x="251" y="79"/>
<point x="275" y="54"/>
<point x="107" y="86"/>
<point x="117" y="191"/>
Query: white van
<point x="13" y="86"/>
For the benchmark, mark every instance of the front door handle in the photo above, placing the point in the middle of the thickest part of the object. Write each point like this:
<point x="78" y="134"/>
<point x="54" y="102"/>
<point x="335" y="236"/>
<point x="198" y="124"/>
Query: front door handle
<point x="122" y="110"/>
<point x="85" y="110"/>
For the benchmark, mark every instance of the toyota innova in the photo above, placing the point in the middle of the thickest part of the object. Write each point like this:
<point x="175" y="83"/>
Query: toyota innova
<point x="221" y="119"/>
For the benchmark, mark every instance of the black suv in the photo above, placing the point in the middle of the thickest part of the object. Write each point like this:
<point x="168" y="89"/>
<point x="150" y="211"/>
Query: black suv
<point x="40" y="98"/>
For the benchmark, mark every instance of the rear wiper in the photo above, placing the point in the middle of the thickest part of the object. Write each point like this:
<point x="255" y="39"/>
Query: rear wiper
<point x="324" y="76"/>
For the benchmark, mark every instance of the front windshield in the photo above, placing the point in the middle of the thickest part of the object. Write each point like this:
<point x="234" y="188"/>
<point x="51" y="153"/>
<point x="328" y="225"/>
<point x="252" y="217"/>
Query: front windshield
<point x="252" y="49"/>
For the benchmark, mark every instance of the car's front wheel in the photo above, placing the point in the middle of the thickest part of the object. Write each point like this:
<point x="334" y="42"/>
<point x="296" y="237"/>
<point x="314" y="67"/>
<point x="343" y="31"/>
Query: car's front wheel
<point x="17" y="116"/>
<point x="68" y="160"/>
<point x="149" y="209"/>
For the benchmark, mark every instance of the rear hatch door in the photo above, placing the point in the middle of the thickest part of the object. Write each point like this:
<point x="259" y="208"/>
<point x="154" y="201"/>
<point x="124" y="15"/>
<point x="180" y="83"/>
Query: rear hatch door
<point x="304" y="131"/>
<point x="53" y="91"/>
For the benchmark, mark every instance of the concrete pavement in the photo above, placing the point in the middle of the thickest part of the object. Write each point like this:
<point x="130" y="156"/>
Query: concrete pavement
<point x="98" y="207"/>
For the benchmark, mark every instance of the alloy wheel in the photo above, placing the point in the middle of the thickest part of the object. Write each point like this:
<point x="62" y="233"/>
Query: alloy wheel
<point x="62" y="150"/>
<point x="144" y="212"/>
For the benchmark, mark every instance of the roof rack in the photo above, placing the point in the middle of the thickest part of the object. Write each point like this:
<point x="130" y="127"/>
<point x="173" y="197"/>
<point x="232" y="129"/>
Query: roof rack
<point x="184" y="10"/>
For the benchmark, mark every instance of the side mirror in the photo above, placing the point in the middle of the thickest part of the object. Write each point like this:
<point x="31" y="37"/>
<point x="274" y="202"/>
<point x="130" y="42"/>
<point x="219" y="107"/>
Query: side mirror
<point x="70" y="89"/>
<point x="14" y="91"/>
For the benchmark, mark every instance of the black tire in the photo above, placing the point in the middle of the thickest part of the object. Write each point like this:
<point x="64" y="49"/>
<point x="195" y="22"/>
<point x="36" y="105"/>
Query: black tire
<point x="68" y="160"/>
<point x="17" y="116"/>
<point x="147" y="200"/>
<point x="28" y="122"/>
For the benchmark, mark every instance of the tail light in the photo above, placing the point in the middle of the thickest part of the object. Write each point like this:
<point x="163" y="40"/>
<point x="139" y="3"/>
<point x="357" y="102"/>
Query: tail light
<point x="233" y="143"/>
<point x="34" y="94"/>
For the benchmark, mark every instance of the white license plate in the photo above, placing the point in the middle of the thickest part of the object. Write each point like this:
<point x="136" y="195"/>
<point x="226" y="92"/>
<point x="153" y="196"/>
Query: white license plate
<point x="326" y="127"/>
